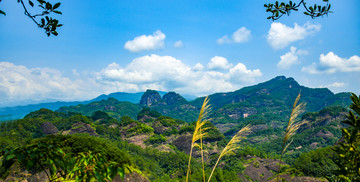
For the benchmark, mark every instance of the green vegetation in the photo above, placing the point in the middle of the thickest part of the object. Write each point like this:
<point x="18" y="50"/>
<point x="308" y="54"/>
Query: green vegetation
<point x="87" y="158"/>
<point x="348" y="151"/>
<point x="155" y="139"/>
<point x="317" y="163"/>
<point x="164" y="142"/>
<point x="111" y="106"/>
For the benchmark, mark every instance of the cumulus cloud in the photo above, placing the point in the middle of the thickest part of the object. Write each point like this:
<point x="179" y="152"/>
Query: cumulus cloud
<point x="146" y="42"/>
<point x="198" y="67"/>
<point x="332" y="63"/>
<point x="290" y="58"/>
<point x="239" y="36"/>
<point x="169" y="73"/>
<point x="219" y="63"/>
<point x="178" y="44"/>
<point x="19" y="83"/>
<point x="23" y="85"/>
<point x="280" y="35"/>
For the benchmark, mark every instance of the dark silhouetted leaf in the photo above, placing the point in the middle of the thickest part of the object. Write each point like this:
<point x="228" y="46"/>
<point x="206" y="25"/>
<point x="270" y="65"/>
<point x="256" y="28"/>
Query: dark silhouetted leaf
<point x="1" y="12"/>
<point x="31" y="3"/>
<point x="57" y="12"/>
<point x="56" y="5"/>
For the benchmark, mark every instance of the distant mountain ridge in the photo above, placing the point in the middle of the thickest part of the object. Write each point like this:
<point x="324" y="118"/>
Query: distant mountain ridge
<point x="274" y="97"/>
<point x="270" y="102"/>
<point x="17" y="112"/>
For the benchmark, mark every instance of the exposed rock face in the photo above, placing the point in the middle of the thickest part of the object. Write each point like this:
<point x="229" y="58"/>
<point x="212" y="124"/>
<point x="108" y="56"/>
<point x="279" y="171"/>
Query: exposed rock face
<point x="150" y="97"/>
<point x="113" y="126"/>
<point x="314" y="145"/>
<point x="138" y="140"/>
<point x="326" y="134"/>
<point x="144" y="118"/>
<point x="260" y="169"/>
<point x="81" y="127"/>
<point x="258" y="173"/>
<point x="183" y="143"/>
<point x="173" y="98"/>
<point x="239" y="98"/>
<point x="263" y="92"/>
<point x="159" y="128"/>
<point x="237" y="113"/>
<point x="49" y="128"/>
<point x="259" y="127"/>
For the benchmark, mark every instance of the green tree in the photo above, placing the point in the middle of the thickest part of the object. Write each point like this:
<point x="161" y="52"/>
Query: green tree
<point x="348" y="151"/>
<point x="317" y="163"/>
<point x="278" y="9"/>
<point x="42" y="20"/>
<point x="87" y="159"/>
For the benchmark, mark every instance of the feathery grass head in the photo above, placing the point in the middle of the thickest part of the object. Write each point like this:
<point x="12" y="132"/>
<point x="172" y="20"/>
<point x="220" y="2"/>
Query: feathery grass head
<point x="236" y="139"/>
<point x="199" y="133"/>
<point x="293" y="124"/>
<point x="232" y="145"/>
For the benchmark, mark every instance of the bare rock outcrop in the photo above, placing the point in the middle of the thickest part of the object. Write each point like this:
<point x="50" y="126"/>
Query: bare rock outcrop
<point x="183" y="143"/>
<point x="81" y="127"/>
<point x="49" y="128"/>
<point x="150" y="97"/>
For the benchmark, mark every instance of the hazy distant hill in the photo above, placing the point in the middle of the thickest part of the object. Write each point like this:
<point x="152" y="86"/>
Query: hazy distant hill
<point x="17" y="112"/>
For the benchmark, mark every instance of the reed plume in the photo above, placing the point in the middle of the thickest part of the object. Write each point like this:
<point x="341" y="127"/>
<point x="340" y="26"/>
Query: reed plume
<point x="199" y="133"/>
<point x="232" y="145"/>
<point x="293" y="125"/>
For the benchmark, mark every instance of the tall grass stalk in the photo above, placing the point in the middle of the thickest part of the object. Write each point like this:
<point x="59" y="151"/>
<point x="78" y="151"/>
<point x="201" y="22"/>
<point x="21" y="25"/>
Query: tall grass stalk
<point x="232" y="145"/>
<point x="202" y="156"/>
<point x="293" y="125"/>
<point x="199" y="133"/>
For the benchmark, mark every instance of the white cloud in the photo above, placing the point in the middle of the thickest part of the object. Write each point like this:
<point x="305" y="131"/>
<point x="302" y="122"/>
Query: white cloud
<point x="219" y="63"/>
<point x="169" y="73"/>
<point x="223" y="40"/>
<point x="280" y="35"/>
<point x="332" y="63"/>
<point x="22" y="85"/>
<point x="239" y="36"/>
<point x="146" y="42"/>
<point x="334" y="85"/>
<point x="198" y="67"/>
<point x="240" y="73"/>
<point x="178" y="44"/>
<point x="19" y="83"/>
<point x="290" y="58"/>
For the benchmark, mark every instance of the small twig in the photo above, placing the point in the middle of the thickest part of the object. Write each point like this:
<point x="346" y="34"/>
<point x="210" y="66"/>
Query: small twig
<point x="28" y="14"/>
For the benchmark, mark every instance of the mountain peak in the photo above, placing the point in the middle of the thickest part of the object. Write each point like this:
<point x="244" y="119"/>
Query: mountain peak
<point x="172" y="98"/>
<point x="150" y="97"/>
<point x="279" y="78"/>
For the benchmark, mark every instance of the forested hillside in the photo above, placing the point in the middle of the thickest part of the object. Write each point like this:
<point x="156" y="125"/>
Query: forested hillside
<point x="153" y="139"/>
<point x="156" y="147"/>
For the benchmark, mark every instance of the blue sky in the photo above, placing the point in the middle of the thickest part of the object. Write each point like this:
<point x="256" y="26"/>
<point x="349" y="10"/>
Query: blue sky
<point x="191" y="47"/>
